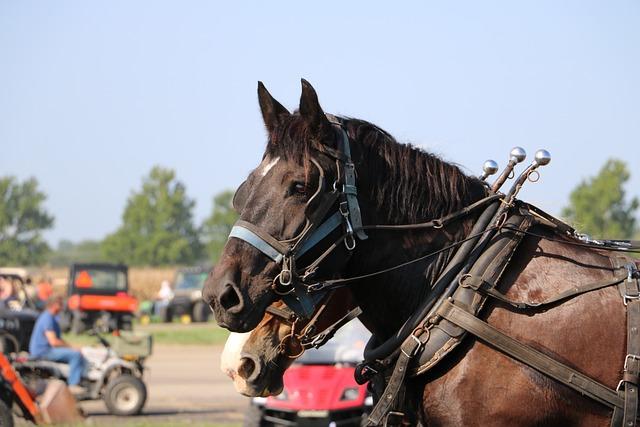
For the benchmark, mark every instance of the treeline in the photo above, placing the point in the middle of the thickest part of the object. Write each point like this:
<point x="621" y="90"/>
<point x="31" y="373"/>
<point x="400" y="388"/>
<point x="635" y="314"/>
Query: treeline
<point x="158" y="227"/>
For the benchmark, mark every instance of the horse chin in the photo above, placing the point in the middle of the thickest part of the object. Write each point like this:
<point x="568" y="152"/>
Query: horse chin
<point x="238" y="324"/>
<point x="255" y="390"/>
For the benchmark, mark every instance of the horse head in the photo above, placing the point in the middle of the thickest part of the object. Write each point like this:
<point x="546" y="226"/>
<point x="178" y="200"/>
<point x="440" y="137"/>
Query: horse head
<point x="256" y="360"/>
<point x="281" y="203"/>
<point x="305" y="212"/>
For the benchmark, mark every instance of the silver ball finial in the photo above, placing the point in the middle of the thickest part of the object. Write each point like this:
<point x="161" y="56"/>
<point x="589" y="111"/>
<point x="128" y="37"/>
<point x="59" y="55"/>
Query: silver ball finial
<point x="490" y="167"/>
<point x="518" y="154"/>
<point x="543" y="157"/>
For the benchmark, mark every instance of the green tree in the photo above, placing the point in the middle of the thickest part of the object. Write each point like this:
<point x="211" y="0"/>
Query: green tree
<point x="68" y="252"/>
<point x="157" y="225"/>
<point x="22" y="221"/>
<point x="217" y="226"/>
<point x="597" y="206"/>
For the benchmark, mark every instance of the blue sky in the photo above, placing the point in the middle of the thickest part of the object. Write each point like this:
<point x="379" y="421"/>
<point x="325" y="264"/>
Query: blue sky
<point x="93" y="94"/>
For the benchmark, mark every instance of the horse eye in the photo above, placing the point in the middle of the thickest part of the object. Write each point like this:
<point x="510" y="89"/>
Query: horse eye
<point x="300" y="188"/>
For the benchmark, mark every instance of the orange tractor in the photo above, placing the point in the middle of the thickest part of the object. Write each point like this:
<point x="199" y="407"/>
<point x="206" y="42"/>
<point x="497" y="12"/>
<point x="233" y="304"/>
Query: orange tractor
<point x="98" y="298"/>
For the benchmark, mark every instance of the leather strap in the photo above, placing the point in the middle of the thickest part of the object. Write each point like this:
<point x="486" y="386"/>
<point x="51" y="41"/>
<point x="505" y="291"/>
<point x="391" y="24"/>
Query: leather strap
<point x="531" y="357"/>
<point x="243" y="232"/>
<point x="487" y="287"/>
<point x="350" y="190"/>
<point x="284" y="313"/>
<point x="408" y="350"/>
<point x="321" y="338"/>
<point x="629" y="383"/>
<point x="320" y="233"/>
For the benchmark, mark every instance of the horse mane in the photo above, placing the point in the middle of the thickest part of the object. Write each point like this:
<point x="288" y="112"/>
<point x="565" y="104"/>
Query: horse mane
<point x="406" y="183"/>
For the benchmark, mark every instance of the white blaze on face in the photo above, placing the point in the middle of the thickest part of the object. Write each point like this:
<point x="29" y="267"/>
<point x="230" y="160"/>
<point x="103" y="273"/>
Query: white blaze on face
<point x="267" y="167"/>
<point x="230" y="359"/>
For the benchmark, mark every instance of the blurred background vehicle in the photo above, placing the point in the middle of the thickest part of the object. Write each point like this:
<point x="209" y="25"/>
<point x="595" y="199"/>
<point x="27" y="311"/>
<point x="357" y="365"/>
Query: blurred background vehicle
<point x="98" y="297"/>
<point x="114" y="374"/>
<point x="18" y="311"/>
<point x="186" y="301"/>
<point x="319" y="388"/>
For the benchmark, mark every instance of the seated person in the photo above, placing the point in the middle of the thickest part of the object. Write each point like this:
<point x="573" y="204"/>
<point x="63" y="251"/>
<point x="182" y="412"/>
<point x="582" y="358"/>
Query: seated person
<point x="46" y="344"/>
<point x="7" y="293"/>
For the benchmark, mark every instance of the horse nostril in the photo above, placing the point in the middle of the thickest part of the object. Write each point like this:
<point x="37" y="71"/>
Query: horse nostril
<point x="249" y="368"/>
<point x="230" y="299"/>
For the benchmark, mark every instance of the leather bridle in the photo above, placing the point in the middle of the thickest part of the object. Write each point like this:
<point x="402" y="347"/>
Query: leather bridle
<point x="297" y="288"/>
<point x="307" y="298"/>
<point x="289" y="285"/>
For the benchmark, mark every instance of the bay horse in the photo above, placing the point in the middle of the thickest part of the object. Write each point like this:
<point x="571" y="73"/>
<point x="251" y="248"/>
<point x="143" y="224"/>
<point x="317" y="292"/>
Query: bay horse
<point x="475" y="385"/>
<point x="256" y="360"/>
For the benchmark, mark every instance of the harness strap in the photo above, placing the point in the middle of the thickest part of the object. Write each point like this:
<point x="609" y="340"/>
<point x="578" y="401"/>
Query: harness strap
<point x="488" y="288"/>
<point x="408" y="350"/>
<point x="628" y="387"/>
<point x="438" y="222"/>
<point x="284" y="313"/>
<point x="350" y="190"/>
<point x="243" y="231"/>
<point x="321" y="338"/>
<point x="531" y="357"/>
<point x="273" y="248"/>
<point x="320" y="233"/>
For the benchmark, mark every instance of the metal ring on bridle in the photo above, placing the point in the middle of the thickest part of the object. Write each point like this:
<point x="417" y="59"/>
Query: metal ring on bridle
<point x="282" y="348"/>
<point x="350" y="242"/>
<point x="278" y="286"/>
<point x="533" y="173"/>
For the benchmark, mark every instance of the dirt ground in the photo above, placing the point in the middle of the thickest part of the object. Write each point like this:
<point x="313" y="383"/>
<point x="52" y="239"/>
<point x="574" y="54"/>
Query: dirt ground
<point x="184" y="383"/>
<point x="185" y="386"/>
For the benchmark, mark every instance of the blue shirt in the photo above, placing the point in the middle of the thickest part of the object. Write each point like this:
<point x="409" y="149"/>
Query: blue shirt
<point x="39" y="344"/>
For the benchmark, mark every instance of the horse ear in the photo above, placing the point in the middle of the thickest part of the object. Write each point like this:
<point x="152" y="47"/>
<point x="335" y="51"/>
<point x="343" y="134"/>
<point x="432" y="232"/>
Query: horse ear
<point x="310" y="108"/>
<point x="272" y="110"/>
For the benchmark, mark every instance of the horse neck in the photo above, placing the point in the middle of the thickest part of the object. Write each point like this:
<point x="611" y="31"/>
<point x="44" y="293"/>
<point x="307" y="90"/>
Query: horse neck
<point x="403" y="185"/>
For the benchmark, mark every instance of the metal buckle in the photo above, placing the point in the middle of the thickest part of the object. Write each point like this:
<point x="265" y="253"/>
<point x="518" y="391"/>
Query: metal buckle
<point x="626" y="297"/>
<point x="393" y="418"/>
<point x="416" y="349"/>
<point x="281" y="289"/>
<point x="630" y="357"/>
<point x="631" y="275"/>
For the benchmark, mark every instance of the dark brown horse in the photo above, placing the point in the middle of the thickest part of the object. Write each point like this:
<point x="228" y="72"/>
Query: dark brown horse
<point x="400" y="184"/>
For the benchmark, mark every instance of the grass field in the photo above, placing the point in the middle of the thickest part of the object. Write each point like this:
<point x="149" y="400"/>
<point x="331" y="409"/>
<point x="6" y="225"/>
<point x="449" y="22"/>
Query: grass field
<point x="169" y="334"/>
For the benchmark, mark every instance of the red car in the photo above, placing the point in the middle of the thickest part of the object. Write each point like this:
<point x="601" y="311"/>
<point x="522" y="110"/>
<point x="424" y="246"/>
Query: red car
<point x="319" y="389"/>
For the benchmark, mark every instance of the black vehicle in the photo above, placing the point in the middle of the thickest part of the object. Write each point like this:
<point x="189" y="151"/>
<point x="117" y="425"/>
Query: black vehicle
<point x="98" y="297"/>
<point x="187" y="295"/>
<point x="17" y="316"/>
